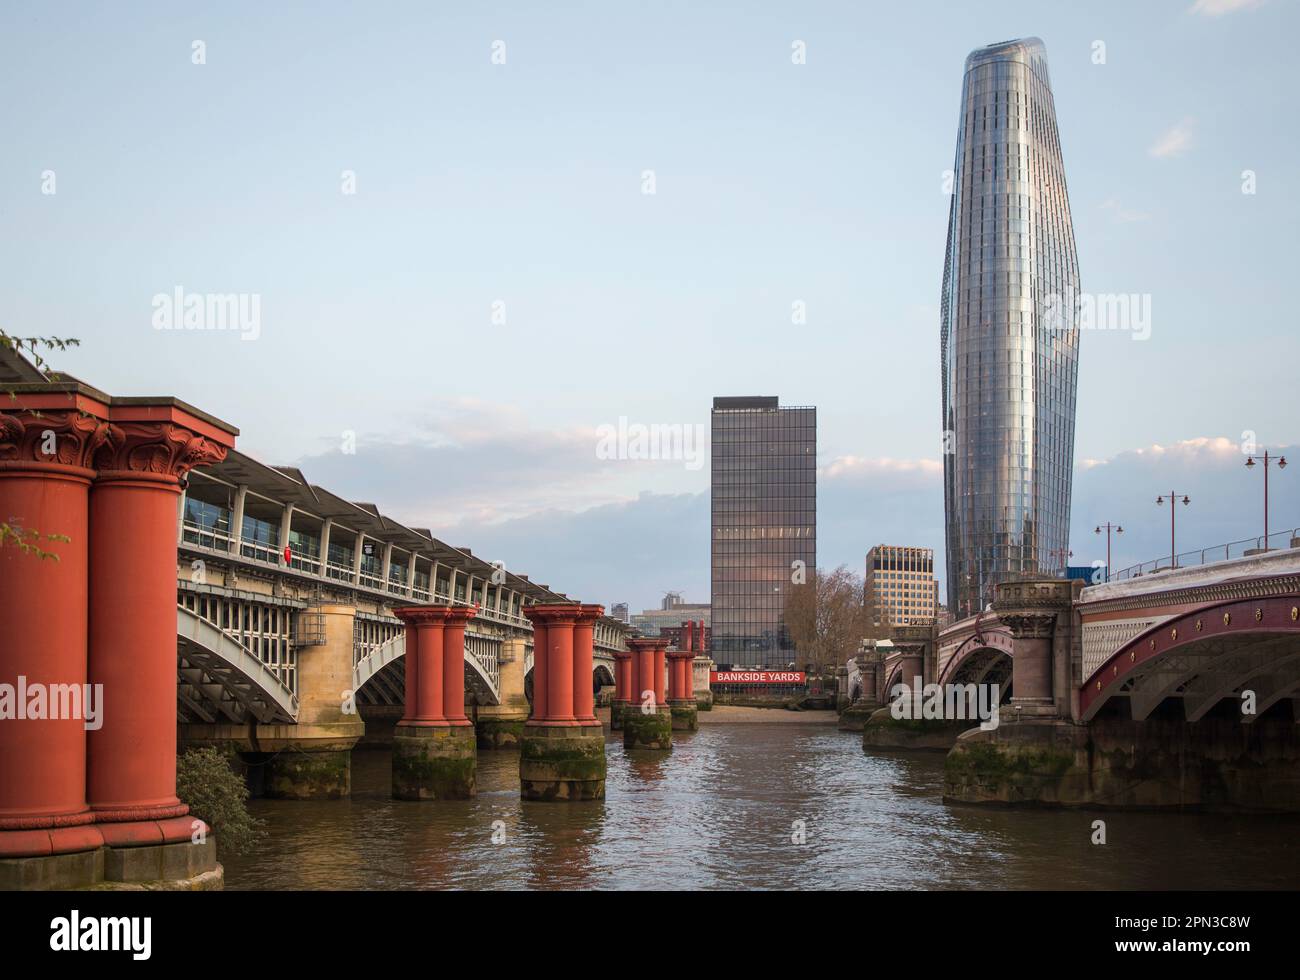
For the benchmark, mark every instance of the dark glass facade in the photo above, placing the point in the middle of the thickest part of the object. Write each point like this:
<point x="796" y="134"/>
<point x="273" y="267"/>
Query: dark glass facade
<point x="764" y="500"/>
<point x="1009" y="356"/>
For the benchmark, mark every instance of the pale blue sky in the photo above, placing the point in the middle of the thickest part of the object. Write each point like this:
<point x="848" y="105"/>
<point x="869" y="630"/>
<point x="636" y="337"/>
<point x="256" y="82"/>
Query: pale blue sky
<point x="522" y="183"/>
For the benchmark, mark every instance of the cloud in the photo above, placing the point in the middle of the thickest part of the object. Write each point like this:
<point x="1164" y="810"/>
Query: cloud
<point x="1217" y="8"/>
<point x="541" y="501"/>
<point x="635" y="550"/>
<point x="629" y="551"/>
<point x="468" y="459"/>
<point x="1226" y="500"/>
<point x="1174" y="141"/>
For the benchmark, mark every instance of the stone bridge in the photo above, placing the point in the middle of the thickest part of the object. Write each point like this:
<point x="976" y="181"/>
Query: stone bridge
<point x="1174" y="688"/>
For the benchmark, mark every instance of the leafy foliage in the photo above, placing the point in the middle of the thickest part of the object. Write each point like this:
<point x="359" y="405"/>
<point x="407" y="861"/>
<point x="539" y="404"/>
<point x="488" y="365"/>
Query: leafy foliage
<point x="217" y="795"/>
<point x="26" y="539"/>
<point x="32" y="347"/>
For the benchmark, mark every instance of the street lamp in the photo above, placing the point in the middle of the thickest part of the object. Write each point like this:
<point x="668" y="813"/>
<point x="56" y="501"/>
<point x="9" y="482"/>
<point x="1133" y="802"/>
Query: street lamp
<point x="1109" y="527"/>
<point x="1063" y="554"/>
<point x="1281" y="465"/>
<point x="1173" y="499"/>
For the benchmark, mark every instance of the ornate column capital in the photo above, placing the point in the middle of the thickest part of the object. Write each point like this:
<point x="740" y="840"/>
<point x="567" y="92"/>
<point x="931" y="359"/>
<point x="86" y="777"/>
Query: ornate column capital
<point x="65" y="438"/>
<point x="162" y="449"/>
<point x="1029" y="626"/>
<point x="422" y="615"/>
<point x="647" y="644"/>
<point x="554" y="613"/>
<point x="1029" y="607"/>
<point x="460" y="615"/>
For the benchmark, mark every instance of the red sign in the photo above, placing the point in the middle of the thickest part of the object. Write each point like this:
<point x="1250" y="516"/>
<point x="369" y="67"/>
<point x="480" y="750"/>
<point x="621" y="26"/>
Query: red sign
<point x="756" y="677"/>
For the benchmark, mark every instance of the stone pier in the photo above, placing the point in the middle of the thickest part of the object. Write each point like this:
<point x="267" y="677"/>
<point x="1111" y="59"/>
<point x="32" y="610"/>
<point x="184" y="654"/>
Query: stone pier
<point x="855" y="715"/>
<point x="434" y="748"/>
<point x="562" y="752"/>
<point x="682" y="707"/>
<point x="501" y="726"/>
<point x="648" y="721"/>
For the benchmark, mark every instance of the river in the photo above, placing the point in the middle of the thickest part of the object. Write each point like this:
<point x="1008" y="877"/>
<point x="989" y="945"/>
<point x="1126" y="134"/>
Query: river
<point x="748" y="806"/>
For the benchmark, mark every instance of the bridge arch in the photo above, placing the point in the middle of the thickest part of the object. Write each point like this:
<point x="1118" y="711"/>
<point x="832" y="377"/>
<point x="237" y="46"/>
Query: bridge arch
<point x="893" y="679"/>
<point x="985" y="658"/>
<point x="221" y="679"/>
<point x="1203" y="656"/>
<point x="602" y="674"/>
<point x="480" y="677"/>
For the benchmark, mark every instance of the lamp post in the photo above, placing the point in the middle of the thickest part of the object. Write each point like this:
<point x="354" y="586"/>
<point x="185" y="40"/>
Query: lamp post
<point x="1173" y="499"/>
<point x="1281" y="465"/>
<point x="1063" y="555"/>
<point x="1118" y="530"/>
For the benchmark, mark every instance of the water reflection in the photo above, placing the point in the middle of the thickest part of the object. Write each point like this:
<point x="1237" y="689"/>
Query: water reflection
<point x="724" y="811"/>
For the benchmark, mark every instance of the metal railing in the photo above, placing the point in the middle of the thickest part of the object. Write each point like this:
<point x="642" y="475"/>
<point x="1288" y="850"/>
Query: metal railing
<point x="1277" y="541"/>
<point x="212" y="539"/>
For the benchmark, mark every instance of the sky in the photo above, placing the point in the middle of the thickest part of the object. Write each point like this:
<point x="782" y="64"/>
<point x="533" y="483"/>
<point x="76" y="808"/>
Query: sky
<point x="478" y="236"/>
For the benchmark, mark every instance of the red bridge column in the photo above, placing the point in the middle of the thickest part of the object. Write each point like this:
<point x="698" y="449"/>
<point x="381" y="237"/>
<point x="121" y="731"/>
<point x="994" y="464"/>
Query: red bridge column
<point x="43" y="605"/>
<point x="647" y="722"/>
<point x="540" y="680"/>
<point x="424" y="656"/>
<point x="681" y="694"/>
<point x="584" y="641"/>
<point x="453" y="666"/>
<point x="434" y="752"/>
<point x="562" y="755"/>
<point x="131" y="758"/>
<point x="559" y="654"/>
<point x="622" y="688"/>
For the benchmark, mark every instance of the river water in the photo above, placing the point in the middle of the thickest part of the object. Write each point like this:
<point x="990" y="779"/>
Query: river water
<point x="747" y="806"/>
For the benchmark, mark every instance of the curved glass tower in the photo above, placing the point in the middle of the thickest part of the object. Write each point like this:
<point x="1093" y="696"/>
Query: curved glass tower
<point x="1008" y="331"/>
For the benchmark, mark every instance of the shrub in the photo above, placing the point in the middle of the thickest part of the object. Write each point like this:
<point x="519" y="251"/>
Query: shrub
<point x="217" y="795"/>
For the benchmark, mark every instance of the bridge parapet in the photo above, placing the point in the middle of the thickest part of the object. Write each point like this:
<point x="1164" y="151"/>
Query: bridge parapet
<point x="1254" y="576"/>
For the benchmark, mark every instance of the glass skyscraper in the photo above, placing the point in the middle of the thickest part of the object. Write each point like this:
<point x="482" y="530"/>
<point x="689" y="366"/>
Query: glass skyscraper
<point x="1008" y="334"/>
<point x="764" y="500"/>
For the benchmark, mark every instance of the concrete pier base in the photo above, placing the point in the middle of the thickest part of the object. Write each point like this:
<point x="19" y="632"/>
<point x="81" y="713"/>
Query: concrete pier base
<point x="648" y="730"/>
<point x="854" y="716"/>
<point x="295" y="774"/>
<point x="434" y="763"/>
<point x="616" y="712"/>
<point x="883" y="731"/>
<point x="559" y="763"/>
<point x="499" y="731"/>
<point x="1215" y="764"/>
<point x="685" y="716"/>
<point x="156" y="867"/>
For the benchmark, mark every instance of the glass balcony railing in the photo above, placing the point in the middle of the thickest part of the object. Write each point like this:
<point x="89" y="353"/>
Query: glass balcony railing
<point x="219" y="540"/>
<point x="204" y="536"/>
